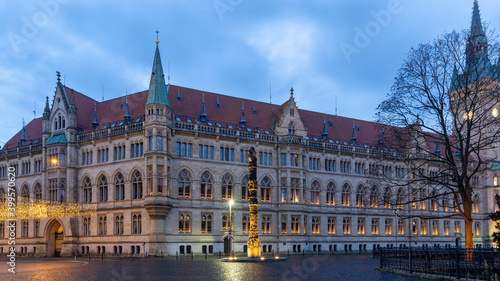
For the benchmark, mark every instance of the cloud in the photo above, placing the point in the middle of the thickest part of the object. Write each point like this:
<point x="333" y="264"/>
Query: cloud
<point x="287" y="45"/>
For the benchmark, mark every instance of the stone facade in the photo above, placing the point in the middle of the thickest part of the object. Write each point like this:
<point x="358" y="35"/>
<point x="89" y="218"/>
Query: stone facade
<point x="160" y="177"/>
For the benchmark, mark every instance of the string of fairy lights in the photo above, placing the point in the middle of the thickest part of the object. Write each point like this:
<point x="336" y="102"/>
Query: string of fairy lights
<point x="42" y="209"/>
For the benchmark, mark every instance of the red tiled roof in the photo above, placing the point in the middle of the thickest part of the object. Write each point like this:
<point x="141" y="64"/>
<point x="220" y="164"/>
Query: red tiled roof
<point x="110" y="111"/>
<point x="229" y="112"/>
<point x="33" y="133"/>
<point x="190" y="105"/>
<point x="84" y="105"/>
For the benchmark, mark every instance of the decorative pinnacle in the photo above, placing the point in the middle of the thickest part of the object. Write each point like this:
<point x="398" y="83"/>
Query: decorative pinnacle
<point x="58" y="76"/>
<point x="157" y="37"/>
<point x="291" y="92"/>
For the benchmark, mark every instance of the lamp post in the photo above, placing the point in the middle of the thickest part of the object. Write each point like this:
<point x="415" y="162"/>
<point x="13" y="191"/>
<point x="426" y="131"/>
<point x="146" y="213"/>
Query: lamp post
<point x="231" y="202"/>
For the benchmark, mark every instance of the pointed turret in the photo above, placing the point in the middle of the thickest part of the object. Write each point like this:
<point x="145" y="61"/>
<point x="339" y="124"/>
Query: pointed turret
<point x="203" y="114"/>
<point x="476" y="25"/>
<point x="127" y="115"/>
<point x="157" y="90"/>
<point x="24" y="138"/>
<point x="46" y="111"/>
<point x="72" y="105"/>
<point x="95" y="122"/>
<point x="242" y="121"/>
<point x="437" y="151"/>
<point x="477" y="45"/>
<point x="353" y="136"/>
<point x="178" y="98"/>
<point x="324" y="133"/>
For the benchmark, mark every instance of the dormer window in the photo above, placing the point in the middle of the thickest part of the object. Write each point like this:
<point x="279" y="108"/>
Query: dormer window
<point x="291" y="129"/>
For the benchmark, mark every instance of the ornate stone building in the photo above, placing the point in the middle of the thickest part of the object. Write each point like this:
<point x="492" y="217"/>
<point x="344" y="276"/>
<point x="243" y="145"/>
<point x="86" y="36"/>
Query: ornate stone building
<point x="161" y="165"/>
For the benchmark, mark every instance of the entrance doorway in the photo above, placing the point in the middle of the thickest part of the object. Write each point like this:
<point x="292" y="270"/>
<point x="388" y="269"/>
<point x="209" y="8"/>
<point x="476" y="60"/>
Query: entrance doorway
<point x="55" y="236"/>
<point x="226" y="246"/>
<point x="58" y="241"/>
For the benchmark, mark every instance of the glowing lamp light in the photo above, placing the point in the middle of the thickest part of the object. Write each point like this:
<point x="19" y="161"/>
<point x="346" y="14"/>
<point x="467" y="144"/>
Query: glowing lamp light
<point x="495" y="112"/>
<point x="276" y="257"/>
<point x="53" y="161"/>
<point x="231" y="202"/>
<point x="261" y="258"/>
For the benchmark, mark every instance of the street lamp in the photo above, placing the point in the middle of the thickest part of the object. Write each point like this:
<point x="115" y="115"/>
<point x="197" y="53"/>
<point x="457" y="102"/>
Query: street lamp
<point x="231" y="202"/>
<point x="53" y="161"/>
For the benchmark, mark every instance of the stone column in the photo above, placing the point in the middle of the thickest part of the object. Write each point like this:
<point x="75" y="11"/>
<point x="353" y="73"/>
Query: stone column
<point x="253" y="242"/>
<point x="158" y="211"/>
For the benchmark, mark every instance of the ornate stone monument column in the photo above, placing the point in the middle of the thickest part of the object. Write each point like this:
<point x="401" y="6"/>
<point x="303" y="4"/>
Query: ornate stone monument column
<point x="253" y="243"/>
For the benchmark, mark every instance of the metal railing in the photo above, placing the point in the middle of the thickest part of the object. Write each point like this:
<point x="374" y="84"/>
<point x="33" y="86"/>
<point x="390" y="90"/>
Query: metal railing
<point x="477" y="263"/>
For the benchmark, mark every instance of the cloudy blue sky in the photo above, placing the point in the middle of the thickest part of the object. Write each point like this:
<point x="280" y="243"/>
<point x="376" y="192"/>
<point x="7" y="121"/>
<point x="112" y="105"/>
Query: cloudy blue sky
<point x="326" y="50"/>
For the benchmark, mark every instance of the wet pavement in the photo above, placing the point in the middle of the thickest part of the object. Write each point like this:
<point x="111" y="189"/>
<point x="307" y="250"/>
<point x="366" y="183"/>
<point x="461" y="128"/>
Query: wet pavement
<point x="338" y="267"/>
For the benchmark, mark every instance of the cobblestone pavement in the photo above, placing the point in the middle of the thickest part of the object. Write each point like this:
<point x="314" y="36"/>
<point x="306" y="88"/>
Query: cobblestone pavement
<point x="353" y="267"/>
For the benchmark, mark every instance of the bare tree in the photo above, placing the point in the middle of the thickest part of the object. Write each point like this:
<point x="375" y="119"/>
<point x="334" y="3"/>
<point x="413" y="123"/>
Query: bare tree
<point x="444" y="106"/>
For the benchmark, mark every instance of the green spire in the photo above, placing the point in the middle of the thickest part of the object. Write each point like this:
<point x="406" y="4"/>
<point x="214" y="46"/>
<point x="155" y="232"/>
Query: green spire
<point x="476" y="26"/>
<point x="477" y="47"/>
<point x="157" y="89"/>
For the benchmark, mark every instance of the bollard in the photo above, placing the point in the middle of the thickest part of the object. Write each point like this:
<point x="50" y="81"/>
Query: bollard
<point x="89" y="255"/>
<point x="75" y="256"/>
<point x="102" y="256"/>
<point x="176" y="255"/>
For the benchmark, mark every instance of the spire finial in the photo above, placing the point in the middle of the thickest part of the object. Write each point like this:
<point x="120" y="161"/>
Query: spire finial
<point x="242" y="121"/>
<point x="58" y="76"/>
<point x="23" y="134"/>
<point x="324" y="133"/>
<point x="291" y="92"/>
<point x="353" y="136"/>
<point x="203" y="114"/>
<point x="157" y="37"/>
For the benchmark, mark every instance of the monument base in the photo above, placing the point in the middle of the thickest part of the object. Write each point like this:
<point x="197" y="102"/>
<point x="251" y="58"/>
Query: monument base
<point x="261" y="259"/>
<point x="253" y="248"/>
